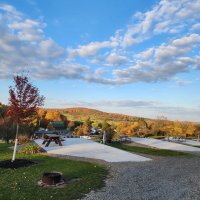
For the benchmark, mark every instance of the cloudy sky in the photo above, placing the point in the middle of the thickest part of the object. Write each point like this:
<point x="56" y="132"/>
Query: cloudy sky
<point x="140" y="58"/>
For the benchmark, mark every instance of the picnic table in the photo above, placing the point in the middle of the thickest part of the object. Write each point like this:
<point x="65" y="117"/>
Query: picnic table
<point x="48" y="138"/>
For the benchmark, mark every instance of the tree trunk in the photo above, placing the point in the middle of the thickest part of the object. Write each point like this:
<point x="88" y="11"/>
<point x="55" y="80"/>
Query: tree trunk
<point x="39" y="124"/>
<point x="104" y="137"/>
<point x="7" y="138"/>
<point x="198" y="138"/>
<point x="16" y="140"/>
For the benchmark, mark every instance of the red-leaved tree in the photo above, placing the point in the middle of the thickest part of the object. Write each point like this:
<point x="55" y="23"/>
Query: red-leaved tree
<point x="24" y="101"/>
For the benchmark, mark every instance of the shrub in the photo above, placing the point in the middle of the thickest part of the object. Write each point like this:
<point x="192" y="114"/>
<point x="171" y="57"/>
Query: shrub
<point x="30" y="149"/>
<point x="23" y="139"/>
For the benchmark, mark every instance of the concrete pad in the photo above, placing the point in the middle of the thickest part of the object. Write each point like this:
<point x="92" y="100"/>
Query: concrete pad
<point x="87" y="148"/>
<point x="191" y="142"/>
<point x="164" y="144"/>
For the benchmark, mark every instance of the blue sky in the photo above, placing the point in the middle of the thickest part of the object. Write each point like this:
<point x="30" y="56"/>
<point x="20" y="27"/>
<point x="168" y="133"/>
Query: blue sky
<point x="140" y="58"/>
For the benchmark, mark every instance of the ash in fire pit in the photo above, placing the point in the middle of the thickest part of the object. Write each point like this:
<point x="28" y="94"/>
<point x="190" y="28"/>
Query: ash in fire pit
<point x="51" y="179"/>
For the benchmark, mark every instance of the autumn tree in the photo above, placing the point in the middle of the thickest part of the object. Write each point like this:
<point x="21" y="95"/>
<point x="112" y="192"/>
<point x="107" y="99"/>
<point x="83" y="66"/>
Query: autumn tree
<point x="41" y="113"/>
<point x="188" y="128"/>
<point x="121" y="130"/>
<point x="83" y="129"/>
<point x="2" y="114"/>
<point x="168" y="128"/>
<point x="86" y="129"/>
<point x="96" y="125"/>
<point x="143" y="127"/>
<point x="108" y="131"/>
<point x="78" y="131"/>
<point x="177" y="129"/>
<point x="53" y="116"/>
<point x="6" y="124"/>
<point x="197" y="131"/>
<point x="105" y="125"/>
<point x="88" y="122"/>
<point x="24" y="100"/>
<point x="50" y="126"/>
<point x="127" y="129"/>
<point x="135" y="128"/>
<point x="142" y="122"/>
<point x="64" y="118"/>
<point x="71" y="125"/>
<point x="158" y="127"/>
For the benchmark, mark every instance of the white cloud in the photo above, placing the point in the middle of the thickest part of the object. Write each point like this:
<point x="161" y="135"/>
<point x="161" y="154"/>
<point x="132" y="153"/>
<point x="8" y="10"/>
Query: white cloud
<point x="26" y="24"/>
<point x="166" y="17"/>
<point x="178" y="47"/>
<point x="64" y="69"/>
<point x="196" y="26"/>
<point x="116" y="59"/>
<point x="191" y="40"/>
<point x="183" y="82"/>
<point x="49" y="49"/>
<point x="90" y="49"/>
<point x="99" y="72"/>
<point x="10" y="10"/>
<point x="197" y="62"/>
<point x="27" y="29"/>
<point x="162" y="62"/>
<point x="23" y="46"/>
<point x="146" y="54"/>
<point x="158" y="20"/>
<point x="175" y="50"/>
<point x="113" y="103"/>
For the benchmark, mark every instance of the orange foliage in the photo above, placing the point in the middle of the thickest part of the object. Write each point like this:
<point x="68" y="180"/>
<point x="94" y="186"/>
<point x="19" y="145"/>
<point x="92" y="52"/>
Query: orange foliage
<point x="53" y="116"/>
<point x="41" y="113"/>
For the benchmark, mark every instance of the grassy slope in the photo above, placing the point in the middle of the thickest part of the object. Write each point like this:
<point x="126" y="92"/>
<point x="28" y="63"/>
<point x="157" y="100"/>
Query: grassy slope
<point x="22" y="182"/>
<point x="150" y="151"/>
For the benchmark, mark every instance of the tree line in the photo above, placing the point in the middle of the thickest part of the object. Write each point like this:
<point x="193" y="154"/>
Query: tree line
<point x="24" y="115"/>
<point x="139" y="127"/>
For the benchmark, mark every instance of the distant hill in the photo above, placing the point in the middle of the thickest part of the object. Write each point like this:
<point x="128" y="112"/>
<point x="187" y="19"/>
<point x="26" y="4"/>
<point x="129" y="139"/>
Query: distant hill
<point x="80" y="113"/>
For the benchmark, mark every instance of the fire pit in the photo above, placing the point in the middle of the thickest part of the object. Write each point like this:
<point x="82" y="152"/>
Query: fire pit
<point x="51" y="179"/>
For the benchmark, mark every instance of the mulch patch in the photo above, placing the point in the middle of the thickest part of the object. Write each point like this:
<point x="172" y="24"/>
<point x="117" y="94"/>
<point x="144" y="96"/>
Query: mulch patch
<point x="16" y="164"/>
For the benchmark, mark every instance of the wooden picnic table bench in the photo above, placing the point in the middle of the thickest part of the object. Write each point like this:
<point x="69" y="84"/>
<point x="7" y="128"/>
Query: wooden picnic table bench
<point x="48" y="138"/>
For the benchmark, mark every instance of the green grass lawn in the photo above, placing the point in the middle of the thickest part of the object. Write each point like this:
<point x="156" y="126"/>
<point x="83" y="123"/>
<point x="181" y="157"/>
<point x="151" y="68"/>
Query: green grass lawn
<point x="21" y="183"/>
<point x="150" y="151"/>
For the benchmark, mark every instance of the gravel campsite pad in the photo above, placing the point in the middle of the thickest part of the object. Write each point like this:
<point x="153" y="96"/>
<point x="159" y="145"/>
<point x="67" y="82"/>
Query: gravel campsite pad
<point x="160" y="179"/>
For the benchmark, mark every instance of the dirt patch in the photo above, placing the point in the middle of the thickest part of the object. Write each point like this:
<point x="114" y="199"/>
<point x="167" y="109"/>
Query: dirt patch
<point x="16" y="164"/>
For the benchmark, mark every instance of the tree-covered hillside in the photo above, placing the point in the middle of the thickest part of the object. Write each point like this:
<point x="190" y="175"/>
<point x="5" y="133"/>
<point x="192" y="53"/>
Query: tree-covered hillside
<point x="83" y="113"/>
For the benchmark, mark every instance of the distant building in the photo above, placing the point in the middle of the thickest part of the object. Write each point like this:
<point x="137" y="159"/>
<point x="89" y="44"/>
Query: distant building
<point x="57" y="125"/>
<point x="58" y="128"/>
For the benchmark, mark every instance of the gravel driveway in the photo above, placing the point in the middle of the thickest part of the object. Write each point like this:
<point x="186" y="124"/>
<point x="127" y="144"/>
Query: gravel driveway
<point x="166" y="178"/>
